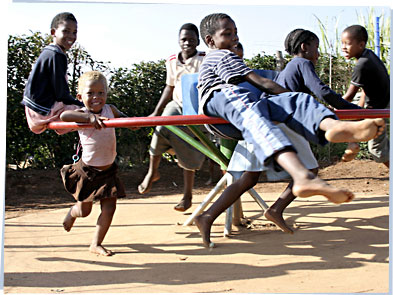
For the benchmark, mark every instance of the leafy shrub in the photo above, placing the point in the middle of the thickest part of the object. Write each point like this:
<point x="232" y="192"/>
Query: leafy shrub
<point x="135" y="91"/>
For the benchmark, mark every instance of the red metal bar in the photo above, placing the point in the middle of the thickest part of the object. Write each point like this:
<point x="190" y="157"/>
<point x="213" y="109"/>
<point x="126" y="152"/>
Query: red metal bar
<point x="144" y="122"/>
<point x="202" y="119"/>
<point x="362" y="114"/>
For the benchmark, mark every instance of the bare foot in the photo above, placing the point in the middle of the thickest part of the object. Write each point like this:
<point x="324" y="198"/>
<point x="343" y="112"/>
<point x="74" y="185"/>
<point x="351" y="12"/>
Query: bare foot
<point x="204" y="227"/>
<point x="147" y="183"/>
<point x="364" y="130"/>
<point x="278" y="220"/>
<point x="68" y="221"/>
<point x="183" y="205"/>
<point x="100" y="250"/>
<point x="316" y="186"/>
<point x="351" y="152"/>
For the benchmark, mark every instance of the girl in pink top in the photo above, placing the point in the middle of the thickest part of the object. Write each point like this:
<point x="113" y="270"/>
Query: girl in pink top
<point x="94" y="176"/>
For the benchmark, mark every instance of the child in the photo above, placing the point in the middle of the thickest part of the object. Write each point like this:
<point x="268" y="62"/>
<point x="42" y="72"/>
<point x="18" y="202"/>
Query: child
<point x="94" y="176"/>
<point x="299" y="76"/>
<point x="239" y="51"/>
<point x="371" y="75"/>
<point x="186" y="61"/>
<point x="220" y="96"/>
<point x="46" y="93"/>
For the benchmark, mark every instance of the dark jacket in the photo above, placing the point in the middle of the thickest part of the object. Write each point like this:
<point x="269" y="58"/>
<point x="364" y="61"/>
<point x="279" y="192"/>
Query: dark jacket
<point x="47" y="82"/>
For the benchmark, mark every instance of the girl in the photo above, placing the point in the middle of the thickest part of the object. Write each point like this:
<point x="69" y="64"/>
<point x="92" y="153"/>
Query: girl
<point x="46" y="94"/>
<point x="94" y="176"/>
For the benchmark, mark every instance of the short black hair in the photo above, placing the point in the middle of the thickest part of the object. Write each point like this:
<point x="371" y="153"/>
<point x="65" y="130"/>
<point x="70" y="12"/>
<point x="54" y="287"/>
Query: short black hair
<point x="357" y="32"/>
<point x="295" y="39"/>
<point x="209" y="24"/>
<point x="61" y="17"/>
<point x="190" y="27"/>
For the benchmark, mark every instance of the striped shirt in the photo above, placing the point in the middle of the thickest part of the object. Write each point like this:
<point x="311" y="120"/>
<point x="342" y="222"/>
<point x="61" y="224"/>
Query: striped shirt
<point x="220" y="69"/>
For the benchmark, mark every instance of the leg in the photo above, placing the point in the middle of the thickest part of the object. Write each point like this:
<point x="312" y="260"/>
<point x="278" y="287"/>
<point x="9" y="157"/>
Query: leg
<point x="151" y="176"/>
<point x="159" y="144"/>
<point x="108" y="208"/>
<point x="227" y="198"/>
<point x="305" y="115"/>
<point x="274" y="213"/>
<point x="301" y="113"/>
<point x="379" y="148"/>
<point x="305" y="183"/>
<point x="212" y="172"/>
<point x="186" y="201"/>
<point x="80" y="209"/>
<point x="352" y="131"/>
<point x="350" y="152"/>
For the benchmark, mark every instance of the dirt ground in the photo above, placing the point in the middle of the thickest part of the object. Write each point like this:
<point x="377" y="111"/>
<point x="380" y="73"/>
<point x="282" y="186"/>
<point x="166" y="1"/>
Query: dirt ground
<point x="334" y="249"/>
<point x="31" y="190"/>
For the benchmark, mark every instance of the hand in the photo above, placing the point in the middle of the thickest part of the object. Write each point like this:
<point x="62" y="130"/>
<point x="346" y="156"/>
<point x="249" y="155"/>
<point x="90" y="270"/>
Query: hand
<point x="97" y="121"/>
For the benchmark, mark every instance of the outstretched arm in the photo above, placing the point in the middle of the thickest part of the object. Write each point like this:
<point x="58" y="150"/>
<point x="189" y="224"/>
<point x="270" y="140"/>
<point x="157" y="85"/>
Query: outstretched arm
<point x="166" y="96"/>
<point x="322" y="91"/>
<point x="362" y="100"/>
<point x="351" y="92"/>
<point x="82" y="117"/>
<point x="266" y="85"/>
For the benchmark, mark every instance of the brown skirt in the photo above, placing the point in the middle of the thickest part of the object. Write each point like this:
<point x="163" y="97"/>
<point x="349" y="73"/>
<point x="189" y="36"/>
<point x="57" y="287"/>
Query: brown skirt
<point x="87" y="184"/>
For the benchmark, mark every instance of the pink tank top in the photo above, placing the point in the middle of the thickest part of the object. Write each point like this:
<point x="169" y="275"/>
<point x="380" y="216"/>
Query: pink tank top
<point x="98" y="146"/>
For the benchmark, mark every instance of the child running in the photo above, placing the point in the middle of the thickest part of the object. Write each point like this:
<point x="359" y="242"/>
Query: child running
<point x="220" y="96"/>
<point x="46" y="93"/>
<point x="371" y="76"/>
<point x="94" y="176"/>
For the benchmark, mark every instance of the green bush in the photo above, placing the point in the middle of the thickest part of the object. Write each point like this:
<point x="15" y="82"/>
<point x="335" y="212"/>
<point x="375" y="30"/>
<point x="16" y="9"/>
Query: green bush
<point x="134" y="90"/>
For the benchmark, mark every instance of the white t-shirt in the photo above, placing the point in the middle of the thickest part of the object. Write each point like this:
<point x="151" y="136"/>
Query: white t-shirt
<point x="175" y="69"/>
<point x="98" y="145"/>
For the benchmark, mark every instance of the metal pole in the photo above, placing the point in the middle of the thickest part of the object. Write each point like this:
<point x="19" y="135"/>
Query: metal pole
<point x="202" y="119"/>
<point x="377" y="39"/>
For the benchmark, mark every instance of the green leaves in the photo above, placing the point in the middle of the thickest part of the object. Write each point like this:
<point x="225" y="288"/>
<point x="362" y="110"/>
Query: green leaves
<point x="135" y="91"/>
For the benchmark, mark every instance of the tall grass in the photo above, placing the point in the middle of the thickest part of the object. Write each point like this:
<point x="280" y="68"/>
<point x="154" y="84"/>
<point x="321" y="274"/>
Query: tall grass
<point x="332" y="44"/>
<point x="368" y="21"/>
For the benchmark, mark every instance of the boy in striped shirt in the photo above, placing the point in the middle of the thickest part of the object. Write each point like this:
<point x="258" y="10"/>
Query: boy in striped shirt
<point x="253" y="117"/>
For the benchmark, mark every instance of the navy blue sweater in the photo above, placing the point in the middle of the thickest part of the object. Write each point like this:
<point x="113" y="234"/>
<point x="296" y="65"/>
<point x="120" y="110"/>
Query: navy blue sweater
<point x="299" y="76"/>
<point x="47" y="82"/>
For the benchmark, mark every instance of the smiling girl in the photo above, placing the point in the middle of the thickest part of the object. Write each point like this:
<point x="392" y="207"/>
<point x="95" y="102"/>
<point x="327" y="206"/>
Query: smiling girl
<point x="94" y="176"/>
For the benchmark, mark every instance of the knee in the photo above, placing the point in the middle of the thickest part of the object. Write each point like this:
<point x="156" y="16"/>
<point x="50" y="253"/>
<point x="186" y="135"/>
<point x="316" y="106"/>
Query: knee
<point x="108" y="208"/>
<point x="250" y="179"/>
<point x="84" y="210"/>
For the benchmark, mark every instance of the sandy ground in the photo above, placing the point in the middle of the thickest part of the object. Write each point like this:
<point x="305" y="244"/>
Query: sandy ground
<point x="335" y="248"/>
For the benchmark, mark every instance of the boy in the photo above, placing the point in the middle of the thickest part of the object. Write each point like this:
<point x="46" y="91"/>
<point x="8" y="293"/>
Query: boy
<point x="46" y="93"/>
<point x="170" y="104"/>
<point x="94" y="176"/>
<point x="371" y="75"/>
<point x="220" y="96"/>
